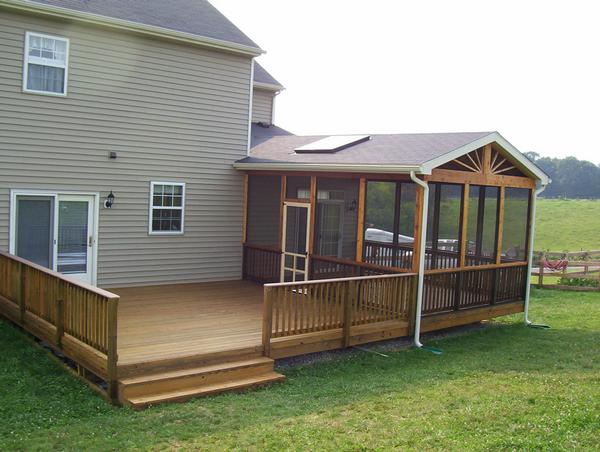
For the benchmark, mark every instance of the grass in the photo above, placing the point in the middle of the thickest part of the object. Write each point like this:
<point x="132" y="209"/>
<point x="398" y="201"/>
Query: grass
<point x="501" y="387"/>
<point x="568" y="225"/>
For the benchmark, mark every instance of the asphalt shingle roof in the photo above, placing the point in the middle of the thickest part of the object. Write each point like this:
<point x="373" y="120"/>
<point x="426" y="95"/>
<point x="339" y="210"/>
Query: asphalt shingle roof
<point x="262" y="76"/>
<point x="394" y="149"/>
<point x="197" y="17"/>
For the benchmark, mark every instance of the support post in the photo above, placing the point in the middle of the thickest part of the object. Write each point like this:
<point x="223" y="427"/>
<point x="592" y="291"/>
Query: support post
<point x="60" y="322"/>
<point x="417" y="230"/>
<point x="313" y="210"/>
<point x="267" y="325"/>
<point x="458" y="290"/>
<point x="112" y="357"/>
<point x="245" y="218"/>
<point x="360" y="224"/>
<point x="350" y="299"/>
<point x="22" y="292"/>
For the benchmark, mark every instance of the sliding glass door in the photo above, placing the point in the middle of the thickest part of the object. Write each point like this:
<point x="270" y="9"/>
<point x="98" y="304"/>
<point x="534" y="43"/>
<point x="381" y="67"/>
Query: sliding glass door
<point x="57" y="232"/>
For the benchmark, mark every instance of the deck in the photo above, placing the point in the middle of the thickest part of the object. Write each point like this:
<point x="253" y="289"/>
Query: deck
<point x="173" y="321"/>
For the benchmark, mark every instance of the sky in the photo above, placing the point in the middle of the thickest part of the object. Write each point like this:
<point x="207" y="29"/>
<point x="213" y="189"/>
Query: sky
<point x="528" y="69"/>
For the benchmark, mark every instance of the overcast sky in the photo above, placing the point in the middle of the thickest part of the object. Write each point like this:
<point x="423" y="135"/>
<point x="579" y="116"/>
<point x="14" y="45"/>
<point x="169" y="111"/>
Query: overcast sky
<point x="529" y="69"/>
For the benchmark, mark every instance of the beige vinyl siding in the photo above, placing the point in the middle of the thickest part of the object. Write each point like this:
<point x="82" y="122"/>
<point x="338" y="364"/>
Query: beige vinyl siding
<point x="171" y="112"/>
<point x="262" y="106"/>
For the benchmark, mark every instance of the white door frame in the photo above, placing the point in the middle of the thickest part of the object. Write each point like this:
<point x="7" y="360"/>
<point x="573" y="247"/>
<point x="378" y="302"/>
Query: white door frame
<point x="55" y="195"/>
<point x="295" y="256"/>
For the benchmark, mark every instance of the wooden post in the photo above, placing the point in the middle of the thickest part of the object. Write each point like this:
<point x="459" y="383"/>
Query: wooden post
<point x="112" y="357"/>
<point x="420" y="194"/>
<point x="349" y="300"/>
<point x="487" y="160"/>
<point x="267" y="325"/>
<point x="60" y="321"/>
<point x="412" y="305"/>
<point x="22" y="292"/>
<point x="541" y="271"/>
<point x="495" y="286"/>
<point x="360" y="224"/>
<point x="313" y="210"/>
<point x="245" y="218"/>
<point x="464" y="226"/>
<point x="500" y="226"/>
<point x="458" y="290"/>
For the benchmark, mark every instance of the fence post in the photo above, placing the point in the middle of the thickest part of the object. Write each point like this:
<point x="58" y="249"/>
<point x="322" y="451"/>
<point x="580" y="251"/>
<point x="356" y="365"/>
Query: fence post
<point x="458" y="290"/>
<point x="349" y="300"/>
<point x="412" y="305"/>
<point x="22" y="292"/>
<point x="541" y="271"/>
<point x="112" y="357"/>
<point x="60" y="321"/>
<point x="267" y="326"/>
<point x="495" y="286"/>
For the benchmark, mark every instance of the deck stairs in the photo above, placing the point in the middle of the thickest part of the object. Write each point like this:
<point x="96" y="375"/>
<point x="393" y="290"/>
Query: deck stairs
<point x="182" y="380"/>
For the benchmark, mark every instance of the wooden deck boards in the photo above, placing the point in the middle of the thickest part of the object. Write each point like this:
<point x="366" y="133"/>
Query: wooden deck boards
<point x="161" y="322"/>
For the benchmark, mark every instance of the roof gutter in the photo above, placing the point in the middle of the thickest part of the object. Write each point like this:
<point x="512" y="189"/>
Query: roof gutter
<point x="268" y="86"/>
<point x="97" y="19"/>
<point x="344" y="168"/>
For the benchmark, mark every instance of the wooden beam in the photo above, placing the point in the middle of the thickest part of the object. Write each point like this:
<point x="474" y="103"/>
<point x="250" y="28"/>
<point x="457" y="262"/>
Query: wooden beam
<point x="500" y="226"/>
<point x="487" y="160"/>
<point x="464" y="226"/>
<point x="281" y="204"/>
<point x="245" y="207"/>
<point x="313" y="210"/>
<point x="419" y="204"/>
<point x="464" y="177"/>
<point x="360" y="224"/>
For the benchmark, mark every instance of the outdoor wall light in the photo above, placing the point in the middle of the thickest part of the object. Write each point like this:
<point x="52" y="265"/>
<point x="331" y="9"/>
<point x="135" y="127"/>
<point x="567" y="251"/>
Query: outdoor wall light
<point x="109" y="201"/>
<point x="352" y="206"/>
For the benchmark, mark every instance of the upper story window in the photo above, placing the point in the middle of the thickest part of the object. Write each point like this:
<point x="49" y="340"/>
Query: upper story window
<point x="167" y="204"/>
<point x="45" y="64"/>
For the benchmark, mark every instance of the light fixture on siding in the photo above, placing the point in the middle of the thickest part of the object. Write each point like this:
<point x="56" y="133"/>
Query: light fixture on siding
<point x="109" y="201"/>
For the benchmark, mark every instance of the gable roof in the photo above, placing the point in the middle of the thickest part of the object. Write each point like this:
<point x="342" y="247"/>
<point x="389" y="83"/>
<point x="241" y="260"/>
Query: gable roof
<point x="192" y="18"/>
<point x="393" y="153"/>
<point x="262" y="79"/>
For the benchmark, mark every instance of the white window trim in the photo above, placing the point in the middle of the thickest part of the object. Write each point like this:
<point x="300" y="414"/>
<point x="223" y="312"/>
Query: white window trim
<point x="26" y="61"/>
<point x="151" y="208"/>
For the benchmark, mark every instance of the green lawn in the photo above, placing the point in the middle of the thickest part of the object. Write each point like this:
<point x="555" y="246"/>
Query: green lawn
<point x="502" y="387"/>
<point x="568" y="225"/>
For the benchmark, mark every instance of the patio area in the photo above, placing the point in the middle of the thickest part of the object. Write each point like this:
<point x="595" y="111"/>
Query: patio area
<point x="172" y="321"/>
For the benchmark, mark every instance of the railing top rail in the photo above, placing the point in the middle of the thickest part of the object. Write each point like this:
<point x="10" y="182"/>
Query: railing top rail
<point x="271" y="249"/>
<point x="336" y="280"/>
<point x="367" y="265"/>
<point x="103" y="293"/>
<point x="476" y="267"/>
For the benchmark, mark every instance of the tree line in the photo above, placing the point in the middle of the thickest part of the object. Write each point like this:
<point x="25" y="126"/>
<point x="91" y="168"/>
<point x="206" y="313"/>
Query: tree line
<point x="571" y="177"/>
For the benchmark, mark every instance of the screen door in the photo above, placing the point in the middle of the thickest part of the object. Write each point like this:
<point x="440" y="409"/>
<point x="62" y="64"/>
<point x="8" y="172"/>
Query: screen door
<point x="294" y="258"/>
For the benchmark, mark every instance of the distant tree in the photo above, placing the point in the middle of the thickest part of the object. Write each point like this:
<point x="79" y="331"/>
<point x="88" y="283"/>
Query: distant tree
<point x="571" y="177"/>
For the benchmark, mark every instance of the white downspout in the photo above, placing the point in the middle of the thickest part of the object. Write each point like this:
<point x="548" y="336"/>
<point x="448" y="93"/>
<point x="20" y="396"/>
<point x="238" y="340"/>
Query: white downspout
<point x="535" y="194"/>
<point x="422" y="247"/>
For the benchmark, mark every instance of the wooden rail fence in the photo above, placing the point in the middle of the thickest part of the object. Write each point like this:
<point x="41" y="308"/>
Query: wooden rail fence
<point x="78" y="319"/>
<point x="315" y="306"/>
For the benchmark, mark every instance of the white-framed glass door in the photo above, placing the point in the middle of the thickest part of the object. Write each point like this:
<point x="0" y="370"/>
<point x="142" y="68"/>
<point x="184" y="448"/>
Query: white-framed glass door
<point x="56" y="231"/>
<point x="296" y="226"/>
<point x="330" y="223"/>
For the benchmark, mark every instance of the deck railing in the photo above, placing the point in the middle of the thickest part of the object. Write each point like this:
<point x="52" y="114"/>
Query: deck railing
<point x="325" y="267"/>
<point x="456" y="289"/>
<point x="78" y="319"/>
<point x="261" y="263"/>
<point x="314" y="306"/>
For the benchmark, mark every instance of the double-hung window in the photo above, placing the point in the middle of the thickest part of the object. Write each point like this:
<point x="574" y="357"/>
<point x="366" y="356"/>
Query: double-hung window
<point x="167" y="204"/>
<point x="45" y="64"/>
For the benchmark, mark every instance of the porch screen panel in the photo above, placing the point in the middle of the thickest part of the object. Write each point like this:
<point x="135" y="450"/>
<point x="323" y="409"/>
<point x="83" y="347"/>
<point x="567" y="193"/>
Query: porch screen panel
<point x="263" y="210"/>
<point x="297" y="187"/>
<point x="336" y="217"/>
<point x="516" y="220"/>
<point x="443" y="226"/>
<point x="482" y="225"/>
<point x="379" y="223"/>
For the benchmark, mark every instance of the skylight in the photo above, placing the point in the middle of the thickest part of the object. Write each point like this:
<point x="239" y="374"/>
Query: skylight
<point x="332" y="144"/>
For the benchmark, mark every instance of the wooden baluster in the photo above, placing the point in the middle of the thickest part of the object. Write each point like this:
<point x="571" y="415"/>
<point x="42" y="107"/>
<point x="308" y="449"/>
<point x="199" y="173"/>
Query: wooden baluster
<point x="349" y="302"/>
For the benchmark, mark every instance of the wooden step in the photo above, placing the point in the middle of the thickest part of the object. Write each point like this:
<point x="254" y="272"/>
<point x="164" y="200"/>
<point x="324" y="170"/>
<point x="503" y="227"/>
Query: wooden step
<point x="193" y="377"/>
<point x="183" y="395"/>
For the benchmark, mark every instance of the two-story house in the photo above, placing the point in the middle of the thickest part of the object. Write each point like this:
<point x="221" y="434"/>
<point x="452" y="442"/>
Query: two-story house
<point x="138" y="153"/>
